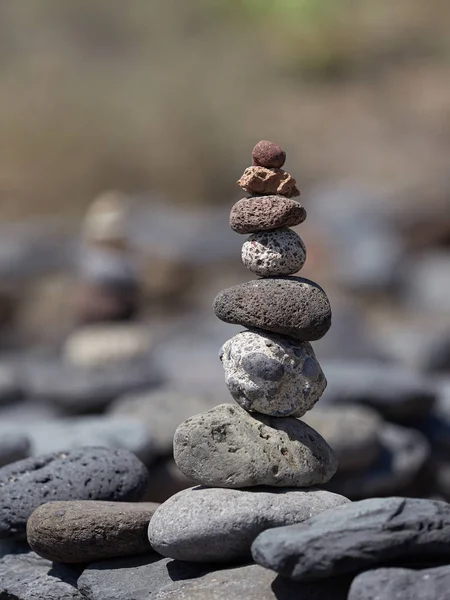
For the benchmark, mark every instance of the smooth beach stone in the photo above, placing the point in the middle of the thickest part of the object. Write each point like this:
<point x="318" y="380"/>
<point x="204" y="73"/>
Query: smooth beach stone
<point x="356" y="537"/>
<point x="276" y="252"/>
<point x="267" y="154"/>
<point x="404" y="454"/>
<point x="401" y="584"/>
<point x="228" y="447"/>
<point x="270" y="374"/>
<point x="13" y="446"/>
<point x="290" y="306"/>
<point x="250" y="582"/>
<point x="261" y="180"/>
<point x="262" y="213"/>
<point x="27" y="576"/>
<point x="219" y="525"/>
<point x="353" y="432"/>
<point x="59" y="435"/>
<point x="134" y="578"/>
<point x="83" y="474"/>
<point x="397" y="393"/>
<point x="81" y="531"/>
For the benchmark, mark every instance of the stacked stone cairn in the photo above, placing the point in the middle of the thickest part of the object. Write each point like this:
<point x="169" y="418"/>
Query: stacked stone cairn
<point x="256" y="461"/>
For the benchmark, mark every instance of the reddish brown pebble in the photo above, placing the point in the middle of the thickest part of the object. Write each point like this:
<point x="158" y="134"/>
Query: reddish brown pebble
<point x="263" y="181"/>
<point x="268" y="154"/>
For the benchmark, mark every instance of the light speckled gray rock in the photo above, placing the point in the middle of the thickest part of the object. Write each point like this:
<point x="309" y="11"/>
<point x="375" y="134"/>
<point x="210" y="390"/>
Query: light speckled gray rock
<point x="276" y="252"/>
<point x="29" y="577"/>
<point x="228" y="447"/>
<point x="286" y="305"/>
<point x="66" y="434"/>
<point x="271" y="374"/>
<point x="352" y="432"/>
<point x="13" y="446"/>
<point x="81" y="531"/>
<point x="250" y="582"/>
<point x="83" y="474"/>
<point x="401" y="584"/>
<point x="219" y="525"/>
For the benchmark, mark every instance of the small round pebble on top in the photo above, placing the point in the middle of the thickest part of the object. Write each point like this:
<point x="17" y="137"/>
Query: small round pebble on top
<point x="267" y="154"/>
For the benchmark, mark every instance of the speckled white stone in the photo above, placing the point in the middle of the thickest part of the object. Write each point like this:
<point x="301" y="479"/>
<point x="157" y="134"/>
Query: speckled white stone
<point x="271" y="374"/>
<point x="276" y="252"/>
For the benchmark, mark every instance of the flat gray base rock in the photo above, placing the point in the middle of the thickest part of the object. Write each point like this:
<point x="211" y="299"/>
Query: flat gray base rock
<point x="219" y="525"/>
<point x="358" y="536"/>
<point x="84" y="474"/>
<point x="402" y="584"/>
<point x="228" y="447"/>
<point x="271" y="374"/>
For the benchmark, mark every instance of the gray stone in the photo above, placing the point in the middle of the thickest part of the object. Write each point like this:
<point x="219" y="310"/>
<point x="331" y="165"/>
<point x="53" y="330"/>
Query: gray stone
<point x="404" y="454"/>
<point x="286" y="305"/>
<point x="161" y="411"/>
<point x="250" y="582"/>
<point x="13" y="446"/>
<point x="356" y="537"/>
<point x="136" y="578"/>
<point x="29" y="577"/>
<point x="401" y="584"/>
<point x="219" y="525"/>
<point x="276" y="252"/>
<point x="67" y="434"/>
<point x="352" y="432"/>
<point x="271" y="374"/>
<point x="398" y="394"/>
<point x="228" y="447"/>
<point x="262" y="213"/>
<point x="84" y="474"/>
<point x="81" y="531"/>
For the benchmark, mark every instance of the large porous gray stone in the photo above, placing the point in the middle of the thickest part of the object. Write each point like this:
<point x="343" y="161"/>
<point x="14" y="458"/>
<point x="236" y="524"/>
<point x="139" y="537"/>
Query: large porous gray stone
<point x="67" y="434"/>
<point x="286" y="305"/>
<point x="13" y="446"/>
<point x="219" y="525"/>
<point x="27" y="576"/>
<point x="271" y="374"/>
<point x="228" y="447"/>
<point x="358" y="536"/>
<point x="84" y="474"/>
<point x="399" y="394"/>
<point x="81" y="531"/>
<point x="251" y="582"/>
<point x="134" y="578"/>
<point x="258" y="213"/>
<point x="272" y="253"/>
<point x="353" y="433"/>
<point x="401" y="584"/>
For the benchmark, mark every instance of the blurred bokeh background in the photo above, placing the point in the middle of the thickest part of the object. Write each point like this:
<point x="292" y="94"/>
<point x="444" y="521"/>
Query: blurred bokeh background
<point x="163" y="102"/>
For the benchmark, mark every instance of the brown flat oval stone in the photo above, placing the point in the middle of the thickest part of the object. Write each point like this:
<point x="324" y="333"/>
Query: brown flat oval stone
<point x="262" y="213"/>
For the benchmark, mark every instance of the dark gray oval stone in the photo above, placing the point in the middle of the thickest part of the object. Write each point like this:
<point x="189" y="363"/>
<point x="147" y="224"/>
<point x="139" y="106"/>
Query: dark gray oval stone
<point x="84" y="474"/>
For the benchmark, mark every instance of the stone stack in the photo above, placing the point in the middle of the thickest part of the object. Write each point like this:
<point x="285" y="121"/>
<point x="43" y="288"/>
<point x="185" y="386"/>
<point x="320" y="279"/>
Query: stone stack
<point x="272" y="373"/>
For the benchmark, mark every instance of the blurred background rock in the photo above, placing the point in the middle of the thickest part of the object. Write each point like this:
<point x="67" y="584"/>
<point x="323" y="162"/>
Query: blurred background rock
<point x="163" y="102"/>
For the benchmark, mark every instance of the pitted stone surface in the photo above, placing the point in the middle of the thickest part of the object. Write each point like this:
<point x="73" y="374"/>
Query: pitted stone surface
<point x="260" y="180"/>
<point x="263" y="213"/>
<point x="276" y="252"/>
<point x="219" y="525"/>
<point x="228" y="447"/>
<point x="291" y="306"/>
<point x="271" y="374"/>
<point x="84" y="474"/>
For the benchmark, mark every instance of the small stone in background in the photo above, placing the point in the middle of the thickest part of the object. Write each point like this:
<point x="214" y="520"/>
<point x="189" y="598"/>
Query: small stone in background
<point x="165" y="480"/>
<point x="262" y="213"/>
<point x="86" y="530"/>
<point x="10" y="383"/>
<point x="267" y="154"/>
<point x="228" y="447"/>
<point x="271" y="374"/>
<point x="13" y="447"/>
<point x="219" y="525"/>
<point x="83" y="474"/>
<point x="272" y="253"/>
<point x="259" y="180"/>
